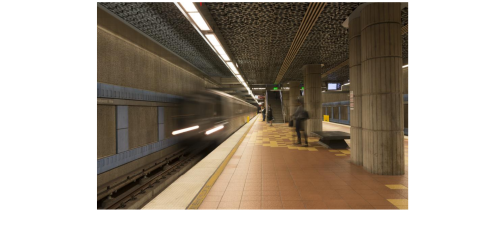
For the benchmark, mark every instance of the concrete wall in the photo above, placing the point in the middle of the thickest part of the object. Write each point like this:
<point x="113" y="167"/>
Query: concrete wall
<point x="127" y="58"/>
<point x="120" y="62"/>
<point x="106" y="128"/>
<point x="143" y="126"/>
<point x="334" y="96"/>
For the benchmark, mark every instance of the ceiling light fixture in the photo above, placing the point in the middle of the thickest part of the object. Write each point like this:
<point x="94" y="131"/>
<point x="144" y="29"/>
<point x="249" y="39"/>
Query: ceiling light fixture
<point x="200" y="22"/>
<point x="233" y="68"/>
<point x="213" y="39"/>
<point x="405" y="66"/>
<point x="191" y="13"/>
<point x="189" y="7"/>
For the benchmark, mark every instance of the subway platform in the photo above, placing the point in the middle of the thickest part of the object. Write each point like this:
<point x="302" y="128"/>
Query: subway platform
<point x="265" y="170"/>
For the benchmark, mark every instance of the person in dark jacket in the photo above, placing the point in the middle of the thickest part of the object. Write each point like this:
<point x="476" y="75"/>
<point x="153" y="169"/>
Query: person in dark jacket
<point x="263" y="113"/>
<point x="270" y="117"/>
<point x="300" y="117"/>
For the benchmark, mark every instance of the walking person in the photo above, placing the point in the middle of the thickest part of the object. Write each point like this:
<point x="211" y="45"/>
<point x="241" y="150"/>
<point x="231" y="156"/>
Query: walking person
<point x="300" y="117"/>
<point x="270" y="117"/>
<point x="263" y="113"/>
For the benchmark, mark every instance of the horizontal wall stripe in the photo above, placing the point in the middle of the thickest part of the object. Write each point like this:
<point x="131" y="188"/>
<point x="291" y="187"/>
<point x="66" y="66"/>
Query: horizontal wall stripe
<point x="121" y="92"/>
<point x="111" y="162"/>
<point x="337" y="103"/>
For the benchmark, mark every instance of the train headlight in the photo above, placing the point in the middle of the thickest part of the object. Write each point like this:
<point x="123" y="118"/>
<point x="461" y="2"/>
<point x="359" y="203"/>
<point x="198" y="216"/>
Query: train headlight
<point x="214" y="130"/>
<point x="185" y="130"/>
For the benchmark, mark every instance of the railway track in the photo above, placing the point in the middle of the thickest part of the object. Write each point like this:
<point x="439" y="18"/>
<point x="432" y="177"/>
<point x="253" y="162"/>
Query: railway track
<point x="137" y="193"/>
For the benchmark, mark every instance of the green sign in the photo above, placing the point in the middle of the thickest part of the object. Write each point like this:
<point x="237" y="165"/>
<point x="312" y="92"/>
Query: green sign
<point x="275" y="88"/>
<point x="302" y="87"/>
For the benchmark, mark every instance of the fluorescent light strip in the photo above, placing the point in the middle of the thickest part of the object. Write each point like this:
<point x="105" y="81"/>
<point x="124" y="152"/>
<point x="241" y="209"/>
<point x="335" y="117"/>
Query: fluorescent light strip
<point x="239" y="77"/>
<point x="225" y="57"/>
<point x="405" y="66"/>
<point x="188" y="6"/>
<point x="220" y="50"/>
<point x="214" y="130"/>
<point x="213" y="39"/>
<point x="200" y="22"/>
<point x="233" y="68"/>
<point x="184" y="130"/>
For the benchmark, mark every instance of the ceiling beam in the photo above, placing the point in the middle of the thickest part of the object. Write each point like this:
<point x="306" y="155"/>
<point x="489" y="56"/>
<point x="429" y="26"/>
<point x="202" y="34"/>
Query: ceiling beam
<point x="312" y="14"/>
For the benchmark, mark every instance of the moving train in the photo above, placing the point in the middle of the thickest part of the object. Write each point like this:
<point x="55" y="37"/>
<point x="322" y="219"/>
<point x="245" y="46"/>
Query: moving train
<point x="186" y="125"/>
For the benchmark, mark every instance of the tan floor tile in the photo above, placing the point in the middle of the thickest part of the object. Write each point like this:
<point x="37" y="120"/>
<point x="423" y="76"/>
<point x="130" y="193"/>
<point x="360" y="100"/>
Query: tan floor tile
<point x="209" y="205"/>
<point x="251" y="198"/>
<point x="226" y="198"/>
<point x="337" y="204"/>
<point x="229" y="205"/>
<point x="372" y="197"/>
<point x="361" y="207"/>
<point x="271" y="193"/>
<point x="215" y="193"/>
<point x="254" y="204"/>
<point x="293" y="204"/>
<point x="231" y="208"/>
<point x="267" y="198"/>
<point x="252" y="193"/>
<point x="233" y="193"/>
<point x="213" y="198"/>
<point x="379" y="202"/>
<point x="384" y="207"/>
<point x="361" y="202"/>
<point x="315" y="204"/>
<point x="272" y="205"/>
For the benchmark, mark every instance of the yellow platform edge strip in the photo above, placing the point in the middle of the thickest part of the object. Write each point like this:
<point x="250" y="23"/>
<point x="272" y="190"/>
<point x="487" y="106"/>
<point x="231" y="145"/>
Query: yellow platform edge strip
<point x="195" y="204"/>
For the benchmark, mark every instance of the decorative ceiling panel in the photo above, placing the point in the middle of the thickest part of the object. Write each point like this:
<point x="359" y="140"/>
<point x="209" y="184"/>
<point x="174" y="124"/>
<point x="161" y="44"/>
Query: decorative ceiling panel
<point x="342" y="75"/>
<point x="258" y="34"/>
<point x="404" y="22"/>
<point x="327" y="43"/>
<point x="164" y="23"/>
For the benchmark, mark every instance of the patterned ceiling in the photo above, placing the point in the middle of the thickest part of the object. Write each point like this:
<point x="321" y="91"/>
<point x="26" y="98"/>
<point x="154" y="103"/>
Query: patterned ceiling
<point x="342" y="74"/>
<point x="167" y="25"/>
<point x="259" y="36"/>
<point x="404" y="22"/>
<point x="327" y="43"/>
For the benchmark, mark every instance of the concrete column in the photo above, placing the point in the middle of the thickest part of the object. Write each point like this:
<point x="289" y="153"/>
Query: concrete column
<point x="355" y="87"/>
<point x="286" y="104"/>
<point x="294" y="94"/>
<point x="266" y="105"/>
<point x="312" y="97"/>
<point x="382" y="89"/>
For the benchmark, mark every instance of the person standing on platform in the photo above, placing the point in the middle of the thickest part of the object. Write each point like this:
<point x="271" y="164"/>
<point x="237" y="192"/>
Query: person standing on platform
<point x="270" y="117"/>
<point x="263" y="113"/>
<point x="300" y="117"/>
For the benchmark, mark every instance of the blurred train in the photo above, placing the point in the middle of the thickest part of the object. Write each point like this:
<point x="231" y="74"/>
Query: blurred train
<point x="192" y="124"/>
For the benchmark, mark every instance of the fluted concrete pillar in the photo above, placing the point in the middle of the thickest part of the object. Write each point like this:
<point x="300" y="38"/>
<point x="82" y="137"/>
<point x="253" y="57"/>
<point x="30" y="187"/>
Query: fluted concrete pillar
<point x="312" y="97"/>
<point x="285" y="105"/>
<point x="294" y="94"/>
<point x="382" y="89"/>
<point x="355" y="87"/>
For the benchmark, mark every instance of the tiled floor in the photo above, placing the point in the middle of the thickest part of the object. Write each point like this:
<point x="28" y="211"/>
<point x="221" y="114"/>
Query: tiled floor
<point x="269" y="172"/>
